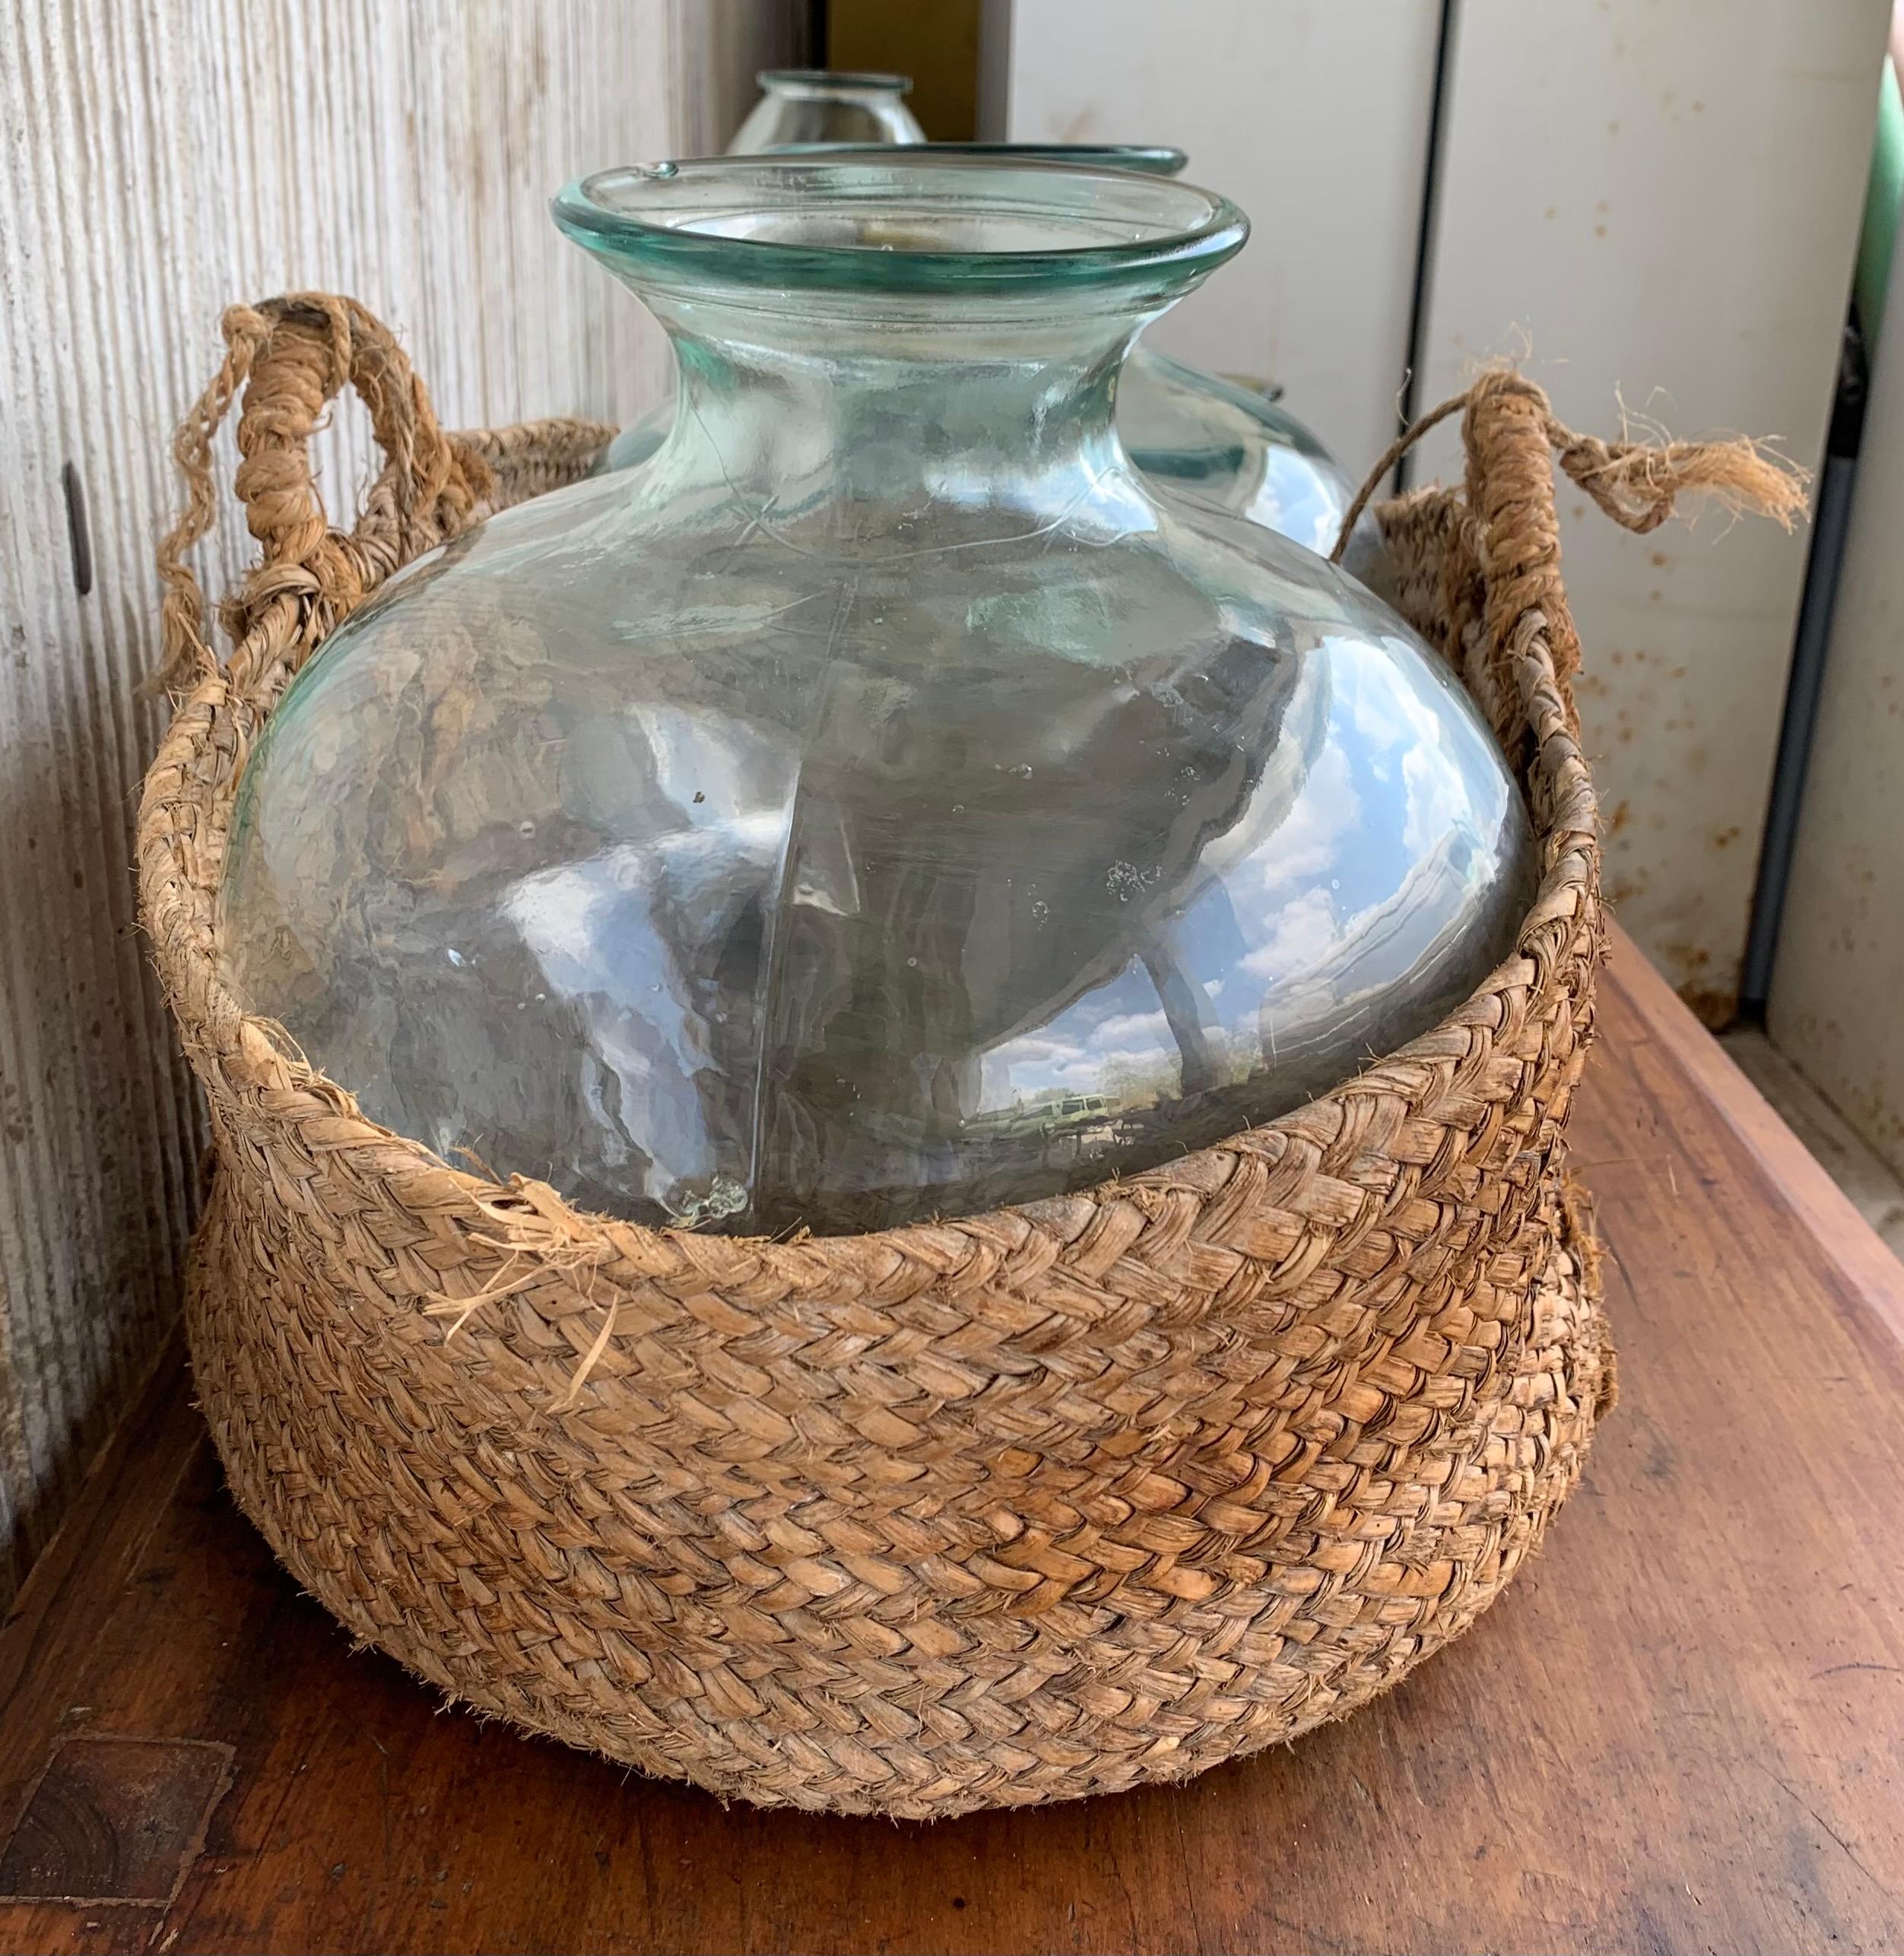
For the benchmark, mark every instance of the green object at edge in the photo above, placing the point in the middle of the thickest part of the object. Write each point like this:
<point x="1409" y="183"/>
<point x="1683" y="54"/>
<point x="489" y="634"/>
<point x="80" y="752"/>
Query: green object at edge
<point x="1884" y="200"/>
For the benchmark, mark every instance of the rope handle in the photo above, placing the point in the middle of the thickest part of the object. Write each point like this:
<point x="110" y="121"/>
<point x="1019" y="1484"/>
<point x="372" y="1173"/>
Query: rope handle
<point x="1498" y="541"/>
<point x="293" y="356"/>
<point x="1635" y="483"/>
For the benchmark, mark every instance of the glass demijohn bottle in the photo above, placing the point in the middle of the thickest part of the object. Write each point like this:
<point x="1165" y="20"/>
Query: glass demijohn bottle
<point x="882" y="803"/>
<point x="817" y="105"/>
<point x="1229" y="443"/>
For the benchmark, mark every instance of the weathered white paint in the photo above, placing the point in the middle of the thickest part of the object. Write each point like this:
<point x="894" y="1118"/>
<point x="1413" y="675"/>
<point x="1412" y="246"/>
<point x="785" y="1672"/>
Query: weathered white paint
<point x="157" y="162"/>
<point x="1661" y="203"/>
<point x="1313" y="115"/>
<point x="1834" y="1007"/>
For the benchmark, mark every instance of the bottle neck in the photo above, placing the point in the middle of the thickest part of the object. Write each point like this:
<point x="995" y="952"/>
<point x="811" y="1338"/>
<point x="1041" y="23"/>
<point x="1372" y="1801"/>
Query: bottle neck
<point x="974" y="409"/>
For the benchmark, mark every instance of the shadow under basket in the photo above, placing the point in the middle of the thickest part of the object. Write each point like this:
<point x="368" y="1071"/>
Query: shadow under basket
<point x="1063" y="1498"/>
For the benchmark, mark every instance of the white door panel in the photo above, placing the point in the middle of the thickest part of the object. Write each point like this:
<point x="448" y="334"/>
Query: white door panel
<point x="1313" y="115"/>
<point x="1660" y="203"/>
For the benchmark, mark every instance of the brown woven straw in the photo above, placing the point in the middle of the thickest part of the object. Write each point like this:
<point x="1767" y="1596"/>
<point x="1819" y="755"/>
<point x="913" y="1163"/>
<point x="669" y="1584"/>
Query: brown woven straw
<point x="1030" y="1504"/>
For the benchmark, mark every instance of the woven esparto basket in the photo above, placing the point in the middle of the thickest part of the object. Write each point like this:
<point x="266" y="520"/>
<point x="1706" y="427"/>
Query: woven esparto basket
<point x="1042" y="1503"/>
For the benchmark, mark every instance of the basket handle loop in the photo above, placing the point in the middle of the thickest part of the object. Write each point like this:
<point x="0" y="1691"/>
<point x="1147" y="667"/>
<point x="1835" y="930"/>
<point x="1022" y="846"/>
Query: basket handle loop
<point x="1507" y="534"/>
<point x="292" y="356"/>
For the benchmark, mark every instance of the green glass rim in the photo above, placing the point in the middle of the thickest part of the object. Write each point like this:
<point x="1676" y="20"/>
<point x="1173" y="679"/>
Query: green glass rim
<point x="660" y="217"/>
<point x="835" y="80"/>
<point x="1152" y="159"/>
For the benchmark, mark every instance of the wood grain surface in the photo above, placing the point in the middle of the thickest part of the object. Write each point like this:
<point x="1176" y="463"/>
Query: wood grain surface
<point x="1680" y="1730"/>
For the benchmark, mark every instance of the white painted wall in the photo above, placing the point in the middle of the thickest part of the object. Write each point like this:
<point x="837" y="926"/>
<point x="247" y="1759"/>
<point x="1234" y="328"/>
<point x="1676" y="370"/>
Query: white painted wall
<point x="1839" y="983"/>
<point x="1313" y="115"/>
<point x="159" y="159"/>
<point x="1661" y="202"/>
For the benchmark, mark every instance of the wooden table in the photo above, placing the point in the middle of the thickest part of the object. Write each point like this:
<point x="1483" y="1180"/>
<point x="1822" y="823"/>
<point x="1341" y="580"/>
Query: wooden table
<point x="1682" y="1729"/>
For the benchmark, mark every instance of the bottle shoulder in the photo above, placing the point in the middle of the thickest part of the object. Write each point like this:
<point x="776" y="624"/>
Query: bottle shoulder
<point x="740" y="872"/>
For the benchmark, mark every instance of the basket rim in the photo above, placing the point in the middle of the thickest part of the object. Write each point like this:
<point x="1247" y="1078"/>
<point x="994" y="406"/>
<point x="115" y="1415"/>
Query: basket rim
<point x="234" y="1049"/>
<point x="1486" y="590"/>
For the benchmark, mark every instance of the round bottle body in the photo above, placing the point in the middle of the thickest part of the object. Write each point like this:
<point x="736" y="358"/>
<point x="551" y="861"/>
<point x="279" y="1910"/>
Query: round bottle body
<point x="880" y="804"/>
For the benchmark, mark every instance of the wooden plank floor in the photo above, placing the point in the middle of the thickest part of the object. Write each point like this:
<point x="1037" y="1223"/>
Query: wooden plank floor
<point x="1682" y="1729"/>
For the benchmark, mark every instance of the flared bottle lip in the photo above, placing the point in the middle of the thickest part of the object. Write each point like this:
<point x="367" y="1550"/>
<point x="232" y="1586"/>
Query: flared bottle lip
<point x="865" y="222"/>
<point x="1151" y="159"/>
<point x="833" y="81"/>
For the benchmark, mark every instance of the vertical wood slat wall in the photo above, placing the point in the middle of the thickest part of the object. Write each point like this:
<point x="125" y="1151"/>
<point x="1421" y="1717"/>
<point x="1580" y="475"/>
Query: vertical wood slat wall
<point x="160" y="159"/>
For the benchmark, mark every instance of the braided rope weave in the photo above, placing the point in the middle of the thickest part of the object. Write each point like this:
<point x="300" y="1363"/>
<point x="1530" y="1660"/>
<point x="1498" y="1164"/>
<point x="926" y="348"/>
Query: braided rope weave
<point x="1031" y="1505"/>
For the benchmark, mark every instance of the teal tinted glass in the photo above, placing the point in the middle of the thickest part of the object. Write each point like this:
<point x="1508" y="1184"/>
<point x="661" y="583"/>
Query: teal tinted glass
<point x="883" y="802"/>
